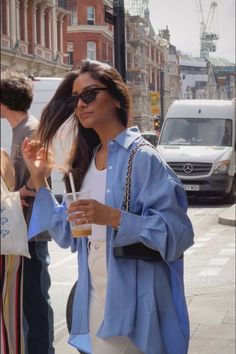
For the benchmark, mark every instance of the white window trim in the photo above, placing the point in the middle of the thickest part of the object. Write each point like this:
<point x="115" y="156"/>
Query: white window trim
<point x="92" y="18"/>
<point x="91" y="52"/>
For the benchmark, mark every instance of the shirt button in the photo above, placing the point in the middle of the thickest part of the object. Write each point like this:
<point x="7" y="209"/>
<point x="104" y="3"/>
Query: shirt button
<point x="108" y="190"/>
<point x="110" y="167"/>
<point x="112" y="142"/>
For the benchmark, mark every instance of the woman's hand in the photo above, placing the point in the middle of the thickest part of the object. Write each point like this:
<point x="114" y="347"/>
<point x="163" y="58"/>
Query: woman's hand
<point x="38" y="161"/>
<point x="93" y="212"/>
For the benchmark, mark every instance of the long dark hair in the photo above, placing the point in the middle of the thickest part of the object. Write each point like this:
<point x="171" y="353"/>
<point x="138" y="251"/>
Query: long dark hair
<point x="59" y="109"/>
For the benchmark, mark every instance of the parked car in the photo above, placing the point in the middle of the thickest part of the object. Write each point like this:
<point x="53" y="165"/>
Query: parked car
<point x="197" y="140"/>
<point x="151" y="137"/>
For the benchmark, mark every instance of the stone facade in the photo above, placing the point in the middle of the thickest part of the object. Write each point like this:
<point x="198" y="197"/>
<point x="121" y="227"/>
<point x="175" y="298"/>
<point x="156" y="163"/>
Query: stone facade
<point x="144" y="62"/>
<point x="32" y="39"/>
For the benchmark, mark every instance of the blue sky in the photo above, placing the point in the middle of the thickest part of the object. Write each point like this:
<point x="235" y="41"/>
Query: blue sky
<point x="182" y="18"/>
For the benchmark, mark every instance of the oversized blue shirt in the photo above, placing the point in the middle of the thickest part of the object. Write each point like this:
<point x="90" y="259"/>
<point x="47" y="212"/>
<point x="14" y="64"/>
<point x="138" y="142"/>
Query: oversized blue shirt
<point x="144" y="300"/>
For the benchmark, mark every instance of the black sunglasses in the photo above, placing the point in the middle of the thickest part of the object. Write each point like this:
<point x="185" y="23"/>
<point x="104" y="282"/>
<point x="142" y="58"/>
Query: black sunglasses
<point x="87" y="96"/>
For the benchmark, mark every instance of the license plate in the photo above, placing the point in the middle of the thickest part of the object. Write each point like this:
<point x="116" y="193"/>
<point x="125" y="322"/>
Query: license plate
<point x="191" y="187"/>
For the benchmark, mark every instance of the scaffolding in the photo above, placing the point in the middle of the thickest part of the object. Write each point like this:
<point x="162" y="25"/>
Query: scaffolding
<point x="136" y="7"/>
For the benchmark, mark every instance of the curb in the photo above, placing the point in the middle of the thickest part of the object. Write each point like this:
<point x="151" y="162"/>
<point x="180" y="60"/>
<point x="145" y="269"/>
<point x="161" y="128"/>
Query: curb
<point x="227" y="217"/>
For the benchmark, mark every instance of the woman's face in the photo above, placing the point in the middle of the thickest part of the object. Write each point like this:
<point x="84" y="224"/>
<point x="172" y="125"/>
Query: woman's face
<point x="95" y="106"/>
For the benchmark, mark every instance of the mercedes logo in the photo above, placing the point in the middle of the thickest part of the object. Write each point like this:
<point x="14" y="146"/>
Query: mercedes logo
<point x="188" y="168"/>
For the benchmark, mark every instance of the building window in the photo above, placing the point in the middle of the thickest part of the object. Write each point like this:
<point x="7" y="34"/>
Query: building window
<point x="74" y="18"/>
<point x="104" y="52"/>
<point x="90" y="15"/>
<point x="110" y="54"/>
<point x="127" y="33"/>
<point x="70" y="51"/>
<point x="129" y="60"/>
<point x="4" y="17"/>
<point x="38" y="25"/>
<point x="91" y="50"/>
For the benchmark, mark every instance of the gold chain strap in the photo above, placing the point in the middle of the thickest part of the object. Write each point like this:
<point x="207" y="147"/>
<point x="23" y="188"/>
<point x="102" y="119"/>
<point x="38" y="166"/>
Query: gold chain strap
<point x="126" y="202"/>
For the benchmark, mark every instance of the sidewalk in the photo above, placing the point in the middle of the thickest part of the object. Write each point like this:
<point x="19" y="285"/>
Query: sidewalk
<point x="227" y="217"/>
<point x="212" y="321"/>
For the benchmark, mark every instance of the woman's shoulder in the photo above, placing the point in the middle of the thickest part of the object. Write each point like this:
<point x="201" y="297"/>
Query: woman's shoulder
<point x="144" y="150"/>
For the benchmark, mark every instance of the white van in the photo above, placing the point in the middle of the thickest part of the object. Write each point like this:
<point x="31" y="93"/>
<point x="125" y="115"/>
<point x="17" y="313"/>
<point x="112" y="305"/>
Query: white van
<point x="197" y="140"/>
<point x="43" y="90"/>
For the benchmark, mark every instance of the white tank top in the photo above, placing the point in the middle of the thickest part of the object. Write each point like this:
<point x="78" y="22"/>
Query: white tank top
<point x="95" y="182"/>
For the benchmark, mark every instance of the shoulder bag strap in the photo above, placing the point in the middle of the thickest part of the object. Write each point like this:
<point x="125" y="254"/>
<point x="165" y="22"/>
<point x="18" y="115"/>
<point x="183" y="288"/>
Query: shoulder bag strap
<point x="126" y="202"/>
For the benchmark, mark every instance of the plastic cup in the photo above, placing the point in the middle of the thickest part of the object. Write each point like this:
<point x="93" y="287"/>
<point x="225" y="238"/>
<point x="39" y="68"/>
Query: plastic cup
<point x="78" y="230"/>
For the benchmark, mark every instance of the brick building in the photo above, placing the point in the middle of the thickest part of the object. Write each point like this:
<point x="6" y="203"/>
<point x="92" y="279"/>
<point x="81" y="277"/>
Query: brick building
<point x="88" y="35"/>
<point x="32" y="36"/>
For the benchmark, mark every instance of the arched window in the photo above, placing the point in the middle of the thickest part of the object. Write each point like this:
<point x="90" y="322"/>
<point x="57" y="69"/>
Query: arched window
<point x="91" y="50"/>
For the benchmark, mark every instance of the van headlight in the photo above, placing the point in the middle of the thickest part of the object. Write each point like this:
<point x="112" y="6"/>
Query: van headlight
<point x="222" y="167"/>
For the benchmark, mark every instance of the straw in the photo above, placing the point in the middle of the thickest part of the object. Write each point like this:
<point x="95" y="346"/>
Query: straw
<point x="72" y="184"/>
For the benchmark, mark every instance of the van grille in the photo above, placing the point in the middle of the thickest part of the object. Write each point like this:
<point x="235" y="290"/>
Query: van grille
<point x="190" y="168"/>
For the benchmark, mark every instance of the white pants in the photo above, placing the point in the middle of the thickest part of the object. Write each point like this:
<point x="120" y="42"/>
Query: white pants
<point x="98" y="281"/>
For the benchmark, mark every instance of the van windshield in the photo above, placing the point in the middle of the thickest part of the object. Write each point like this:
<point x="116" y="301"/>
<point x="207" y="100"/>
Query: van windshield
<point x="197" y="131"/>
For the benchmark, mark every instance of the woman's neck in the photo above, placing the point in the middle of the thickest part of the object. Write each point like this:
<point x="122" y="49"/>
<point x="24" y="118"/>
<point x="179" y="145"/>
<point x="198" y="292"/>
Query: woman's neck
<point x="108" y="134"/>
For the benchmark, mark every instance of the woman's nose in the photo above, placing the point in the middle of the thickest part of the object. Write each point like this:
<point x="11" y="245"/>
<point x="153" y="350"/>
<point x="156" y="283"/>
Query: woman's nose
<point x="81" y="103"/>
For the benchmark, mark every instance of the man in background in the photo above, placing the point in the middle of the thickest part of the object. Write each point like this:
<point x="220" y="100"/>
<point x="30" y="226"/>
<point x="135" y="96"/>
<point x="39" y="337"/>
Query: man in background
<point x="15" y="101"/>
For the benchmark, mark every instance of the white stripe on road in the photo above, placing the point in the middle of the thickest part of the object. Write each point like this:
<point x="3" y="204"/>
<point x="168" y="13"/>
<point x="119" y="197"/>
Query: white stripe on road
<point x="230" y="245"/>
<point x="59" y="323"/>
<point x="204" y="239"/>
<point x="60" y="328"/>
<point x="227" y="252"/>
<point x="218" y="261"/>
<point x="62" y="261"/>
<point x="64" y="283"/>
<point x="209" y="272"/>
<point x="198" y="244"/>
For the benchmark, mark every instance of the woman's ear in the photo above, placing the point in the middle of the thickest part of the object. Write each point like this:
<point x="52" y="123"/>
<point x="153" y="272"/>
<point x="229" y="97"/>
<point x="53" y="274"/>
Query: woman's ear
<point x="117" y="104"/>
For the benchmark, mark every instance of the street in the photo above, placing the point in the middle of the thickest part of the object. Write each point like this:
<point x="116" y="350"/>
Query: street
<point x="209" y="284"/>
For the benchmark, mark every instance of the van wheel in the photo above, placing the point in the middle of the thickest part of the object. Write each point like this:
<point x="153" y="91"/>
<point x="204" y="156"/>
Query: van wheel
<point x="69" y="307"/>
<point x="230" y="198"/>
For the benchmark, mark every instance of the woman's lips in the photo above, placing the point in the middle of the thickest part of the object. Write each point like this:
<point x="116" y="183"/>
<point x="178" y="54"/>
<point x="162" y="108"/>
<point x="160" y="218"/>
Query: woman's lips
<point x="85" y="114"/>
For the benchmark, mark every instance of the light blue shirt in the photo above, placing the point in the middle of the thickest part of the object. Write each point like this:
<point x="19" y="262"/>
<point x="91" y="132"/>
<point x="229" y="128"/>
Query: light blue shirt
<point x="144" y="300"/>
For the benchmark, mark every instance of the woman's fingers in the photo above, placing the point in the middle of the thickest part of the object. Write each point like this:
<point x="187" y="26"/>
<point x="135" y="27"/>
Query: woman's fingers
<point x="78" y="206"/>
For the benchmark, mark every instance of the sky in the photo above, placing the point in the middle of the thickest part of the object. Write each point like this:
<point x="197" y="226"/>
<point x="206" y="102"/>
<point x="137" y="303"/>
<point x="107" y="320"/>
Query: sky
<point x="182" y="18"/>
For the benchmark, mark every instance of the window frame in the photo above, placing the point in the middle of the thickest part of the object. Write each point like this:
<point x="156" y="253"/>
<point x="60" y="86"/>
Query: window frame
<point x="91" y="50"/>
<point x="91" y="16"/>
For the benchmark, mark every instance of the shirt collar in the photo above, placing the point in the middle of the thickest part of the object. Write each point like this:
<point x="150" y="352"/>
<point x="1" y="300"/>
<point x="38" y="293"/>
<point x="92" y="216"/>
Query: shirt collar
<point x="128" y="136"/>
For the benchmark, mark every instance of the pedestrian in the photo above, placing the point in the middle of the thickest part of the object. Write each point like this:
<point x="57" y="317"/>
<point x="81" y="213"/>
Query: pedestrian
<point x="127" y="306"/>
<point x="11" y="276"/>
<point x="16" y="98"/>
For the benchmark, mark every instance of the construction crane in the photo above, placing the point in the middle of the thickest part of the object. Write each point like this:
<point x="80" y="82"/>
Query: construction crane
<point x="208" y="37"/>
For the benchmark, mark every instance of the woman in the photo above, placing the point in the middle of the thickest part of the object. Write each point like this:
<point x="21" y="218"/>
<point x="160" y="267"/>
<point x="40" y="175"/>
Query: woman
<point x="120" y="306"/>
<point x="11" y="275"/>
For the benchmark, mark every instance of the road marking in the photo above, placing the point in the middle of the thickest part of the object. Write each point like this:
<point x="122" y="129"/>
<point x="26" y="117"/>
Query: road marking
<point x="218" y="261"/>
<point x="62" y="261"/>
<point x="204" y="239"/>
<point x="60" y="327"/>
<point x="227" y="252"/>
<point x="64" y="283"/>
<point x="198" y="244"/>
<point x="209" y="272"/>
<point x="230" y="245"/>
<point x="189" y="252"/>
<point x="59" y="323"/>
